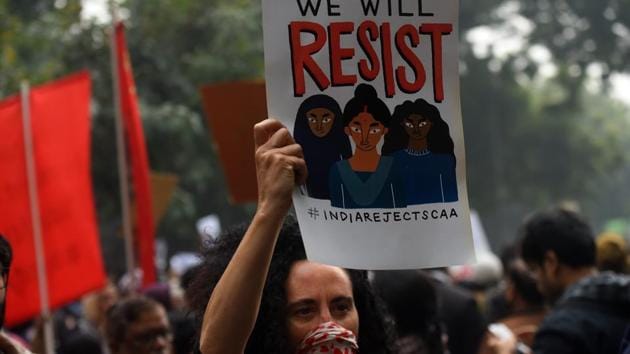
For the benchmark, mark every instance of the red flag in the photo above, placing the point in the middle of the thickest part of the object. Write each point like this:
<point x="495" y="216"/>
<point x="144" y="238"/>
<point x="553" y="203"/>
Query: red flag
<point x="60" y="121"/>
<point x="139" y="161"/>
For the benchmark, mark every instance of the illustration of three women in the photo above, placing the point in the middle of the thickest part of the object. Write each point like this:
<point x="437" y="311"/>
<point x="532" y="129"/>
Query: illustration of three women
<point x="399" y="160"/>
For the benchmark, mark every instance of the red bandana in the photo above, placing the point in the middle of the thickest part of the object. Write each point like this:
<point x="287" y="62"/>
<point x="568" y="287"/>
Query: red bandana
<point x="329" y="338"/>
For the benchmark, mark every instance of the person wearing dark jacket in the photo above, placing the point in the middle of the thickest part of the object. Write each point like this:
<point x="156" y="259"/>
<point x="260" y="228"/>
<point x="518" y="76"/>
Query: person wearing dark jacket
<point x="591" y="312"/>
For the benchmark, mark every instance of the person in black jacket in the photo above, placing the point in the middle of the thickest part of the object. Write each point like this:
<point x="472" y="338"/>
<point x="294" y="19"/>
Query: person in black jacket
<point x="591" y="311"/>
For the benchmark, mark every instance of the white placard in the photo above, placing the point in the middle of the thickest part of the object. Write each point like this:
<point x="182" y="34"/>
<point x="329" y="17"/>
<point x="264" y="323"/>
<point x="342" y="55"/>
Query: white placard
<point x="370" y="89"/>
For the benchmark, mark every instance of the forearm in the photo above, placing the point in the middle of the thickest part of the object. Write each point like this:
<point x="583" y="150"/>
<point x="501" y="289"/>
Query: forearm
<point x="233" y="307"/>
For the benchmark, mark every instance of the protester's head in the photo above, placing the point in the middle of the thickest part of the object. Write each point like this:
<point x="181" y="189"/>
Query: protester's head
<point x="412" y="302"/>
<point x="96" y="304"/>
<point x="522" y="290"/>
<point x="298" y="295"/>
<point x="557" y="245"/>
<point x="418" y="120"/>
<point x="80" y="343"/>
<point x="612" y="253"/>
<point x="138" y="325"/>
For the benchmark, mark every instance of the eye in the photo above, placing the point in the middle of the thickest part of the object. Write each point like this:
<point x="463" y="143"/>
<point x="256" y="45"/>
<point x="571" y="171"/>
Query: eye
<point x="303" y="311"/>
<point x="355" y="129"/>
<point x="375" y="130"/>
<point x="341" y="308"/>
<point x="312" y="120"/>
<point x="422" y="124"/>
<point x="326" y="120"/>
<point x="408" y="125"/>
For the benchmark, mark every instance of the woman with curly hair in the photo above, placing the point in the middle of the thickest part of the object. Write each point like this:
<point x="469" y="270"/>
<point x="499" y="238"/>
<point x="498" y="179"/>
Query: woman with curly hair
<point x="257" y="293"/>
<point x="422" y="148"/>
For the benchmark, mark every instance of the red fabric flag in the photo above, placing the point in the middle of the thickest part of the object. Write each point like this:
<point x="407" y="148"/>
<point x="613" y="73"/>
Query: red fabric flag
<point x="145" y="229"/>
<point x="60" y="121"/>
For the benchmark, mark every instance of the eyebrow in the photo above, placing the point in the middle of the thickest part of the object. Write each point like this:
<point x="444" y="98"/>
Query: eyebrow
<point x="300" y="302"/>
<point x="308" y="302"/>
<point x="339" y="299"/>
<point x="374" y="125"/>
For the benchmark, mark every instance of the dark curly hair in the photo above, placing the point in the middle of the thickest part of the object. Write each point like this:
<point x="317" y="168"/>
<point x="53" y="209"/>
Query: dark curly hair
<point x="122" y="314"/>
<point x="439" y="138"/>
<point x="269" y="334"/>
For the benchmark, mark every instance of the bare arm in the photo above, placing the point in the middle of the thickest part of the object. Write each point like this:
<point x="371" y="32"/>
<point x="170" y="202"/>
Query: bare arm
<point x="233" y="306"/>
<point x="9" y="346"/>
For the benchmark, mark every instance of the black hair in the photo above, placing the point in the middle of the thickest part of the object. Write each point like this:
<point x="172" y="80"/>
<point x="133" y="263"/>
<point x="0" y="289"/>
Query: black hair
<point x="366" y="100"/>
<point x="412" y="301"/>
<point x="6" y="255"/>
<point x="122" y="314"/>
<point x="438" y="139"/>
<point x="524" y="283"/>
<point x="80" y="343"/>
<point x="270" y="334"/>
<point x="559" y="230"/>
<point x="320" y="153"/>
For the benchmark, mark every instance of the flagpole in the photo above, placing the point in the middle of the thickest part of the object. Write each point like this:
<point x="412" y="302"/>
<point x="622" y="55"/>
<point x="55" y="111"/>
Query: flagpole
<point x="42" y="280"/>
<point x="123" y="173"/>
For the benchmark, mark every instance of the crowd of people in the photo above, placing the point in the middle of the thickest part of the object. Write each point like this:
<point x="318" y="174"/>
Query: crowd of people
<point x="561" y="290"/>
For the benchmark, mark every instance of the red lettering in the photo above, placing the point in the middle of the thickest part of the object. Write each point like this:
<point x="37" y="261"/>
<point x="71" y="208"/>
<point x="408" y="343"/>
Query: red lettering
<point x="411" y="58"/>
<point x="367" y="33"/>
<point x="436" y="30"/>
<point x="386" y="55"/>
<point x="338" y="54"/>
<point x="406" y="39"/>
<point x="301" y="55"/>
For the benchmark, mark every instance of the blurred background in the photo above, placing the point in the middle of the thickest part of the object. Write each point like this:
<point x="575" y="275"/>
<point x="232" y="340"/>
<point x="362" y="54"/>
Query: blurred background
<point x="545" y="88"/>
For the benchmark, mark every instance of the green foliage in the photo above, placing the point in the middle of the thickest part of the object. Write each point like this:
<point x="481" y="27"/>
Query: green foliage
<point x="530" y="140"/>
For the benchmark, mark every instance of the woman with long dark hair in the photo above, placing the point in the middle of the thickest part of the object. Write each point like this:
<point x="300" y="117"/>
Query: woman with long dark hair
<point x="367" y="179"/>
<point x="319" y="130"/>
<point x="422" y="148"/>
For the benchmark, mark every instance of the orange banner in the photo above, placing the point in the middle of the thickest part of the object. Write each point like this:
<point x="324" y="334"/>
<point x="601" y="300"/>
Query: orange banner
<point x="232" y="109"/>
<point x="60" y="116"/>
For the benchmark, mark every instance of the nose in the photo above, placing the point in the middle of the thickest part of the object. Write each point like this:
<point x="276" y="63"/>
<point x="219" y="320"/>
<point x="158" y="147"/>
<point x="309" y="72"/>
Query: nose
<point x="161" y="343"/>
<point x="364" y="137"/>
<point x="325" y="315"/>
<point x="320" y="125"/>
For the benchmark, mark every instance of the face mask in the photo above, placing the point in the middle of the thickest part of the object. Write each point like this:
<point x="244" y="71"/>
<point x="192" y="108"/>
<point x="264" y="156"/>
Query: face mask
<point x="329" y="337"/>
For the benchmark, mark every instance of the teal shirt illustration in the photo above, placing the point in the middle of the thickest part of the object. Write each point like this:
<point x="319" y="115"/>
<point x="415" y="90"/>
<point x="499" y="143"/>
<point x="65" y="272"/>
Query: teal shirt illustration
<point x="382" y="188"/>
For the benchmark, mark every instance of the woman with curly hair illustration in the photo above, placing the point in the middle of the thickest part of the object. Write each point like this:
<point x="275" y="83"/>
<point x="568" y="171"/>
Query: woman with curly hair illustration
<point x="420" y="143"/>
<point x="367" y="179"/>
<point x="318" y="129"/>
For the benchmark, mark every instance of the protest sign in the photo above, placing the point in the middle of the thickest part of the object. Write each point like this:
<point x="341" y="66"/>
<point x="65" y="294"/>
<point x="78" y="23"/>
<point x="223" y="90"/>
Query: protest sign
<point x="370" y="89"/>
